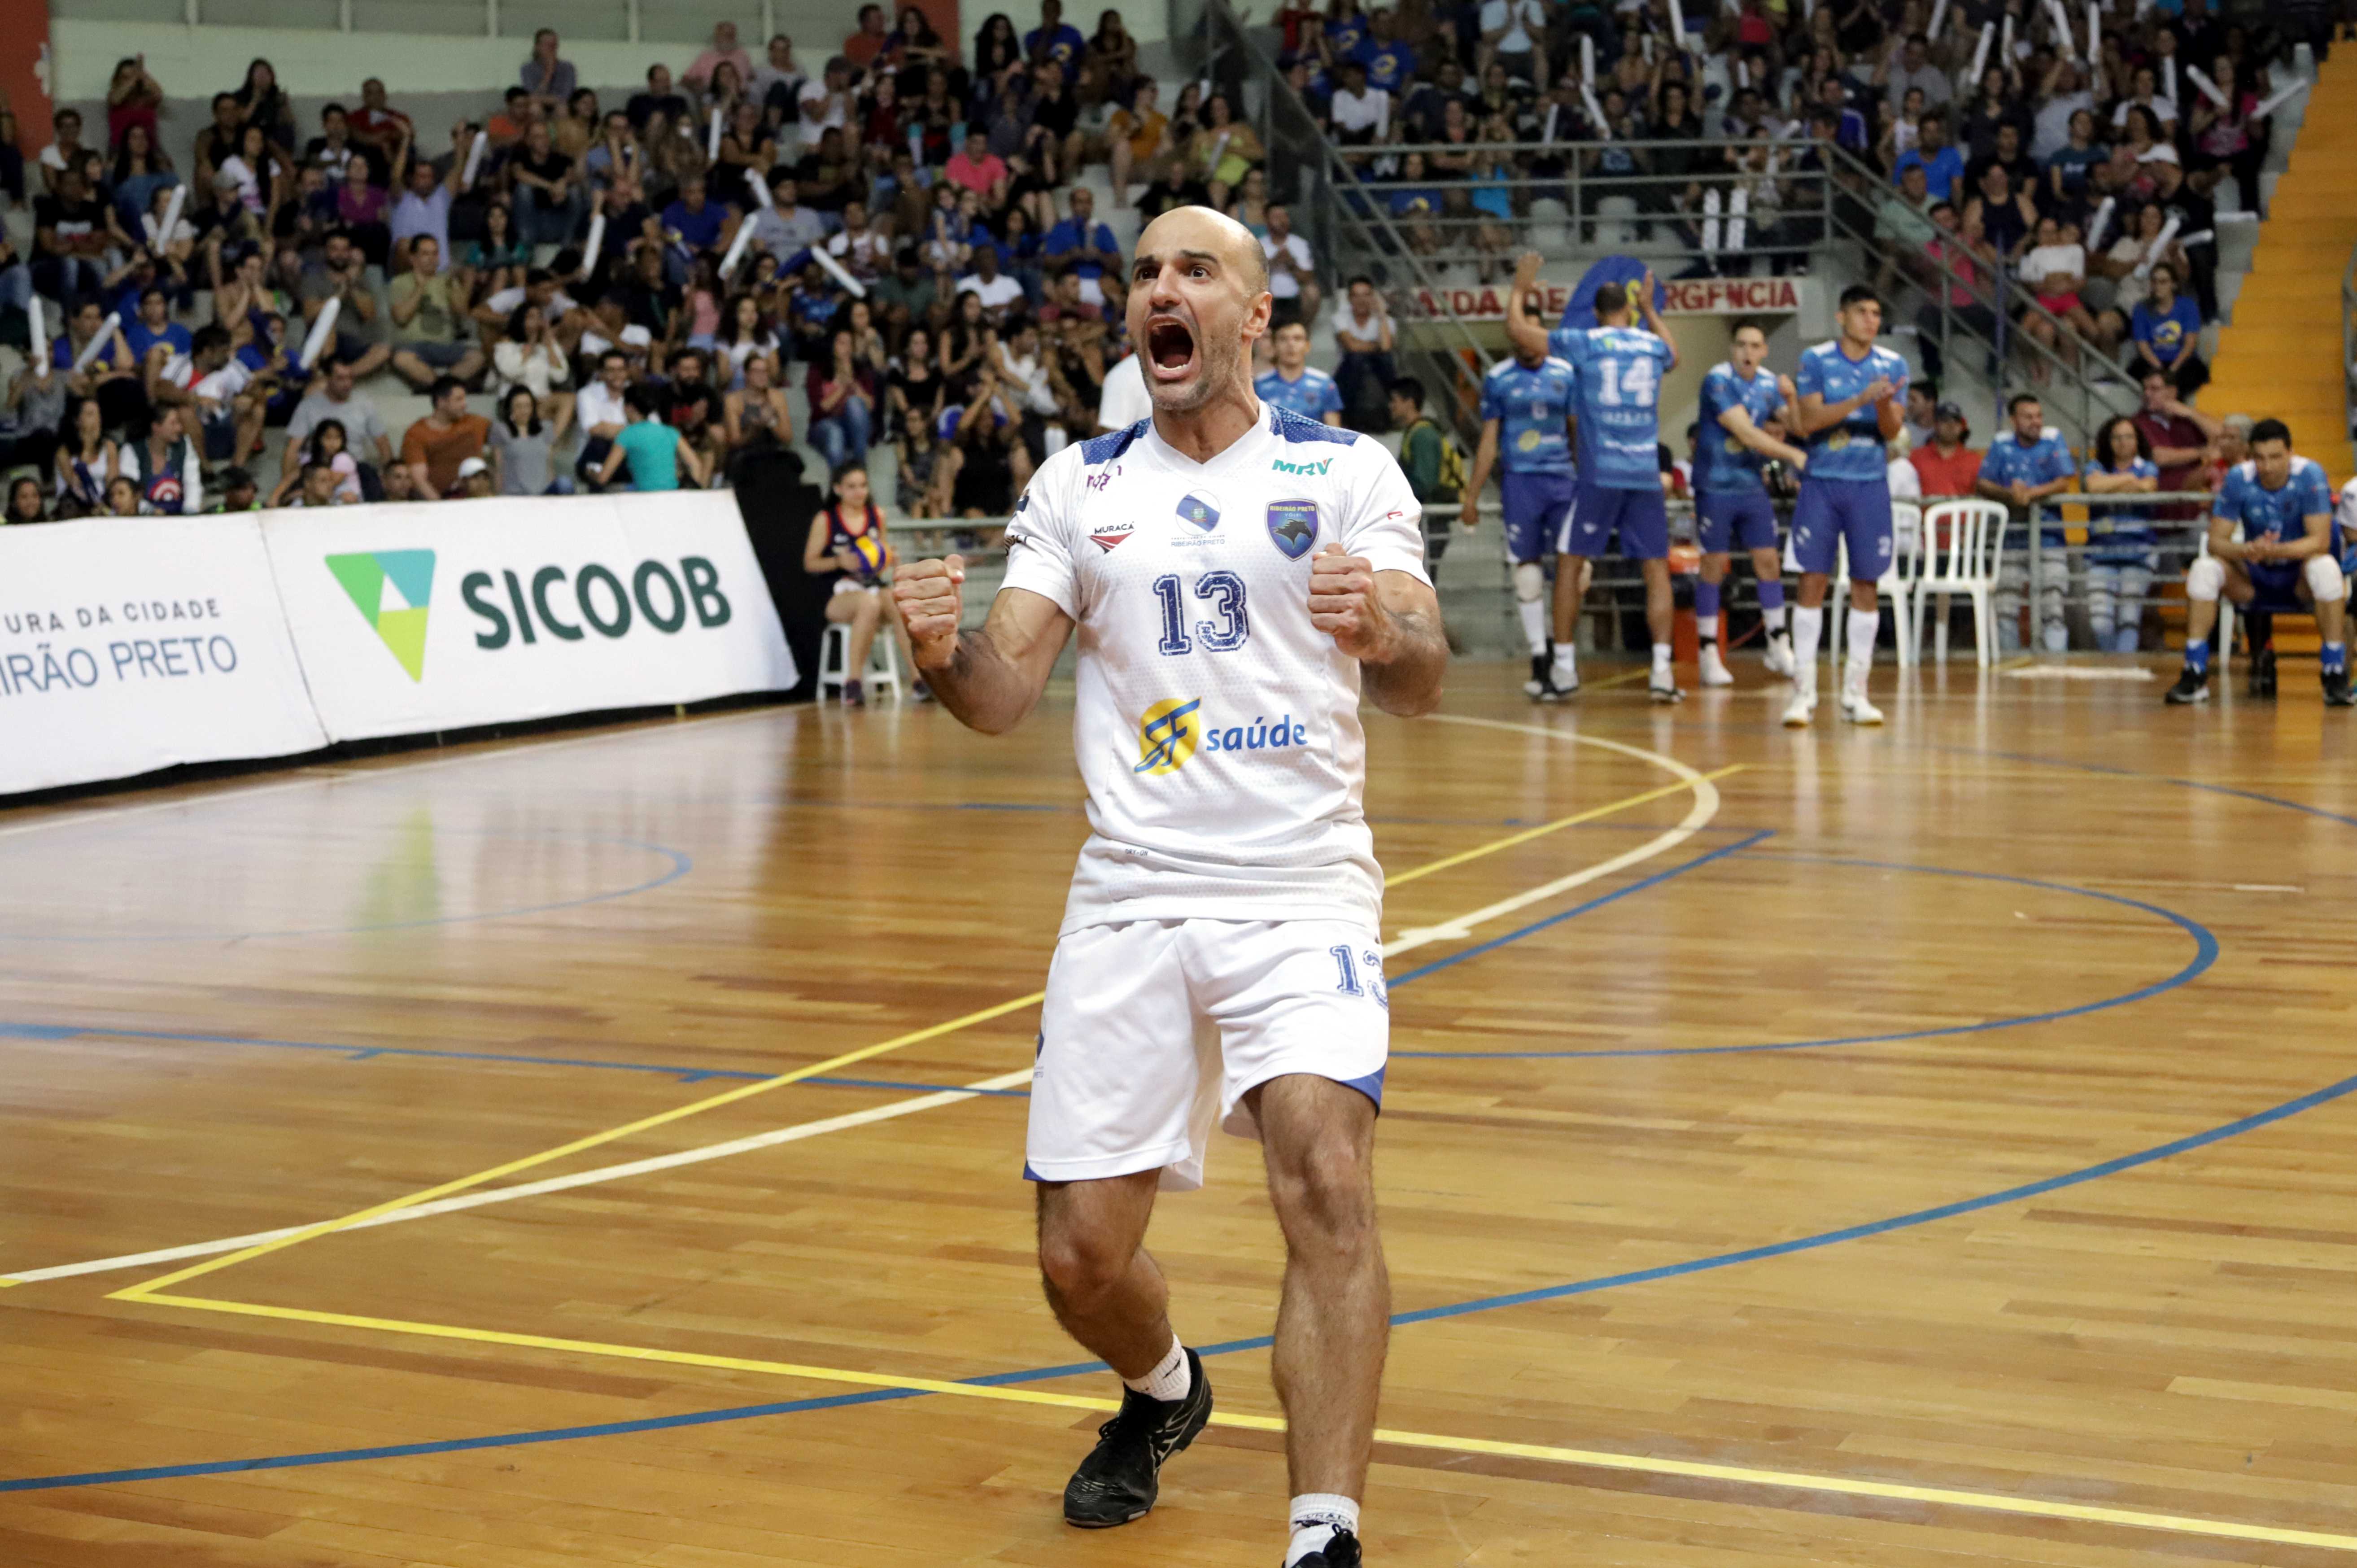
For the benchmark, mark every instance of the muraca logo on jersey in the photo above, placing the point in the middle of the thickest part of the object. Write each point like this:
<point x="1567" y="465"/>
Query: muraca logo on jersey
<point x="1111" y="534"/>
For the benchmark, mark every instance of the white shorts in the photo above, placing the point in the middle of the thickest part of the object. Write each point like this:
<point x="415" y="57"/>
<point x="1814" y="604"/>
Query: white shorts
<point x="1153" y="1030"/>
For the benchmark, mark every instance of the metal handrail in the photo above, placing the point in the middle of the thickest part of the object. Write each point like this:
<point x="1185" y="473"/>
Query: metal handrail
<point x="1380" y="241"/>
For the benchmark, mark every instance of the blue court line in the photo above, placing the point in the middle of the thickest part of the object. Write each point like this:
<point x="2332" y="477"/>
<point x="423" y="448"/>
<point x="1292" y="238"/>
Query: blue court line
<point x="2267" y="1117"/>
<point x="2205" y="953"/>
<point x="2156" y="779"/>
<point x="681" y="865"/>
<point x="363" y="1053"/>
<point x="1823" y="1239"/>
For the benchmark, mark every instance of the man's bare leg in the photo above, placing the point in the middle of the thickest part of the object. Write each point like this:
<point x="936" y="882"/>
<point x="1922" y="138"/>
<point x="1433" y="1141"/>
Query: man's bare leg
<point x="1106" y="1288"/>
<point x="1109" y="1294"/>
<point x="1334" y="1324"/>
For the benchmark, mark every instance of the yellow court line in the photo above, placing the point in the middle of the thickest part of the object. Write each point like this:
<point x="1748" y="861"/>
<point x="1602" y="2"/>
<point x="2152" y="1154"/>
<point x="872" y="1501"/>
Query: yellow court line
<point x="743" y="1091"/>
<point x="1639" y="1464"/>
<point x="1449" y="862"/>
<point x="142" y="1291"/>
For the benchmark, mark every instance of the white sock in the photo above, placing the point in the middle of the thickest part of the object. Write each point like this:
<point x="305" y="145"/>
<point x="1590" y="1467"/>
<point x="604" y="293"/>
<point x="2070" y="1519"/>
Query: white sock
<point x="1773" y="619"/>
<point x="1808" y="630"/>
<point x="1169" y="1380"/>
<point x="1316" y="1517"/>
<point x="1567" y="664"/>
<point x="1534" y="628"/>
<point x="1863" y="626"/>
<point x="1660" y="657"/>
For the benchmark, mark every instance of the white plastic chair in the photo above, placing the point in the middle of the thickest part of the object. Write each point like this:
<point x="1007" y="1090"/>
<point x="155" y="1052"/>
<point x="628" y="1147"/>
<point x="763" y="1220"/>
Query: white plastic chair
<point x="1965" y="563"/>
<point x="883" y="671"/>
<point x="1906" y="523"/>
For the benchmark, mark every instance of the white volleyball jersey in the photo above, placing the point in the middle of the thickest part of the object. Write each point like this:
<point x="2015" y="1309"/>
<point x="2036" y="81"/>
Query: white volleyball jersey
<point x="1216" y="728"/>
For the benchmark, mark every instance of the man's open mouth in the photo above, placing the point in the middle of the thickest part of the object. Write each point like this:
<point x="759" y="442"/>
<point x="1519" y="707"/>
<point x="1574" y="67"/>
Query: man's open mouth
<point x="1169" y="345"/>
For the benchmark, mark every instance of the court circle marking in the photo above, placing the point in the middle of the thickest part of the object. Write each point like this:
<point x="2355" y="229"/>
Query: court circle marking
<point x="2205" y="953"/>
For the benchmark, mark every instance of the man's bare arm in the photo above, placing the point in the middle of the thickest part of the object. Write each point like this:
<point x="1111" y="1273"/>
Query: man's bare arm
<point x="989" y="679"/>
<point x="1388" y="621"/>
<point x="1523" y="331"/>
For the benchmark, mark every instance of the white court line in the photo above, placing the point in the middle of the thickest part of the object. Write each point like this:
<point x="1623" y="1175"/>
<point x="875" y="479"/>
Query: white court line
<point x="321" y="773"/>
<point x="1706" y="807"/>
<point x="1697" y="817"/>
<point x="769" y="1140"/>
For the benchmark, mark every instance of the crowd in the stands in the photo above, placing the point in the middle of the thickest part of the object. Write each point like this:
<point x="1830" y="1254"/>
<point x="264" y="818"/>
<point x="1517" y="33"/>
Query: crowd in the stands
<point x="632" y="279"/>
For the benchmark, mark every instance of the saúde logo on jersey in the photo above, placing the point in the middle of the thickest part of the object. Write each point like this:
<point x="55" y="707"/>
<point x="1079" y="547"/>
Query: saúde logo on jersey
<point x="1170" y="731"/>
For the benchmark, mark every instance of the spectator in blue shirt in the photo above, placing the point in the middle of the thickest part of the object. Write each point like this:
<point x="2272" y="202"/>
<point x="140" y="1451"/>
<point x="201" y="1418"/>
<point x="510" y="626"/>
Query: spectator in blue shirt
<point x="154" y="327"/>
<point x="1391" y="64"/>
<point x="1084" y="245"/>
<point x="691" y="220"/>
<point x="2168" y="331"/>
<point x="1055" y="39"/>
<point x="1943" y="165"/>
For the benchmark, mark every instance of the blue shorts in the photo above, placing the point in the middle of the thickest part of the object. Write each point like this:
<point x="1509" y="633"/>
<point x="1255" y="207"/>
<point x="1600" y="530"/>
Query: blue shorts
<point x="1831" y="510"/>
<point x="1749" y="518"/>
<point x="1534" y="507"/>
<point x="2278" y="583"/>
<point x="1637" y="516"/>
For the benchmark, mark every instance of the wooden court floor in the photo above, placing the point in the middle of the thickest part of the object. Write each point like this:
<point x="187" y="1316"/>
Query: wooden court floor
<point x="1921" y="1146"/>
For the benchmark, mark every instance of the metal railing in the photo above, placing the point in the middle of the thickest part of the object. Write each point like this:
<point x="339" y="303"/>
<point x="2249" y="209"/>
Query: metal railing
<point x="1351" y="237"/>
<point x="1711" y="214"/>
<point x="605" y="21"/>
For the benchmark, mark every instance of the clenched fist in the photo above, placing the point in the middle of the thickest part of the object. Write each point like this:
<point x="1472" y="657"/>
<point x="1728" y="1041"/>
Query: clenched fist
<point x="930" y="604"/>
<point x="1342" y="604"/>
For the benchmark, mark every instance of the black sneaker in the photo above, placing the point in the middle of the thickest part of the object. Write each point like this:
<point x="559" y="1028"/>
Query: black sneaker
<point x="921" y="692"/>
<point x="853" y="694"/>
<point x="1342" y="1552"/>
<point x="1118" y="1481"/>
<point x="2336" y="690"/>
<point x="1536" y="686"/>
<point x="2263" y="673"/>
<point x="2192" y="687"/>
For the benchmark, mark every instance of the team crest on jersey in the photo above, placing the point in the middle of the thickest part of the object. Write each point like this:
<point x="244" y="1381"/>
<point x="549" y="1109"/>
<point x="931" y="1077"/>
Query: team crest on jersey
<point x="1194" y="508"/>
<point x="1294" y="526"/>
<point x="1166" y="735"/>
<point x="1528" y="440"/>
<point x="1111" y="534"/>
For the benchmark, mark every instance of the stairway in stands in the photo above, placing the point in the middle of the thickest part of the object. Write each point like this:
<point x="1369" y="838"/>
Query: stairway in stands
<point x="2281" y="354"/>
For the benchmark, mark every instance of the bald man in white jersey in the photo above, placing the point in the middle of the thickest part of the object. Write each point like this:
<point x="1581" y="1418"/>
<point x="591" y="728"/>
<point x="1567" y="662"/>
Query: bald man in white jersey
<point x="1238" y="575"/>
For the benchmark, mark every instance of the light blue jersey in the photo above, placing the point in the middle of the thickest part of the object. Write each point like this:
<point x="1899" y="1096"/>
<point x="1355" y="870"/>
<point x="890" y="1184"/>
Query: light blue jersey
<point x="2122" y="532"/>
<point x="1312" y="396"/>
<point x="1852" y="449"/>
<point x="2276" y="514"/>
<point x="1620" y="370"/>
<point x="1532" y="405"/>
<point x="2012" y="460"/>
<point x="1722" y="464"/>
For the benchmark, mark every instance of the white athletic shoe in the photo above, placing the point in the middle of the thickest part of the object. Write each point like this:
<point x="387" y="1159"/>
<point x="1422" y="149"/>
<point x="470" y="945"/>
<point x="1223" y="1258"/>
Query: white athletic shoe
<point x="1798" y="711"/>
<point x="1663" y="687"/>
<point x="1713" y="669"/>
<point x="1779" y="657"/>
<point x="1857" y="710"/>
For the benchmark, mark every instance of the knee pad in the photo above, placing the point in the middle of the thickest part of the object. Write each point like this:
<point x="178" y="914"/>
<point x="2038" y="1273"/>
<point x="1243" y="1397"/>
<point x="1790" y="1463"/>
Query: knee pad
<point x="1530" y="582"/>
<point x="2324" y="579"/>
<point x="2205" y="579"/>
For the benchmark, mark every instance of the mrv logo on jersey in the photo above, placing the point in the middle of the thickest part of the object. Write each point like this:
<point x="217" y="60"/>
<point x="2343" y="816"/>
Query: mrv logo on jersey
<point x="1319" y="467"/>
<point x="1169" y="732"/>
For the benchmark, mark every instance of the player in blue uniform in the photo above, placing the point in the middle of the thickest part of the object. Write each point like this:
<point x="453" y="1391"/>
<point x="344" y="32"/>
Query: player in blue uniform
<point x="1294" y="384"/>
<point x="2023" y="467"/>
<point x="1731" y="501"/>
<point x="2274" y="546"/>
<point x="2122" y="554"/>
<point x="1620" y="367"/>
<point x="1526" y="405"/>
<point x="1850" y="404"/>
